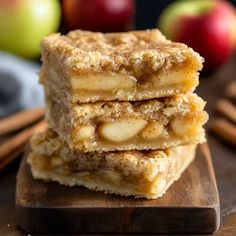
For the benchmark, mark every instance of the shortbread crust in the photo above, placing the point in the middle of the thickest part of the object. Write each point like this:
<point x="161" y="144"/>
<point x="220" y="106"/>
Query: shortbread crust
<point x="145" y="174"/>
<point x="87" y="67"/>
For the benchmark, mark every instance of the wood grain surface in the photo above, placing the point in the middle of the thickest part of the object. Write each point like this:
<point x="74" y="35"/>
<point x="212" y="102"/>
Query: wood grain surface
<point x="191" y="205"/>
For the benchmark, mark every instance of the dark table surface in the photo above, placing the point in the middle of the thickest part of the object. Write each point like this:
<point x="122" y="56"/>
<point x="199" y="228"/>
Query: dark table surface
<point x="224" y="158"/>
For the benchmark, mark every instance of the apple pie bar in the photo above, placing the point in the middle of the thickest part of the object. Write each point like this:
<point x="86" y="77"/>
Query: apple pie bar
<point x="145" y="174"/>
<point x="140" y="125"/>
<point x="87" y="67"/>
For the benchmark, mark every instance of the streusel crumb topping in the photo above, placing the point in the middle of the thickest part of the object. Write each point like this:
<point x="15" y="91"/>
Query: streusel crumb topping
<point x="136" y="51"/>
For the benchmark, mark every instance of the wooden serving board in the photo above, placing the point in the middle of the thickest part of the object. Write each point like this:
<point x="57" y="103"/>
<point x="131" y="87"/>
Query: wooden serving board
<point x="191" y="205"/>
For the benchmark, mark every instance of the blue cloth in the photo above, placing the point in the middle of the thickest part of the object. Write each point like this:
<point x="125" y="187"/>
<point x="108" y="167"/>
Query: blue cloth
<point x="19" y="87"/>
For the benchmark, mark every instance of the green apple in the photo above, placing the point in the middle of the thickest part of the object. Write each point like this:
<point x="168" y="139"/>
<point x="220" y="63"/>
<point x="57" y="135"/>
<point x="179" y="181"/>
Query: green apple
<point x="23" y="24"/>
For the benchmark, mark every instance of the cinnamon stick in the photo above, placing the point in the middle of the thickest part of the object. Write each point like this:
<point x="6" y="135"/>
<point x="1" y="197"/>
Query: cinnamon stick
<point x="225" y="130"/>
<point x="227" y="109"/>
<point x="18" y="140"/>
<point x="12" y="156"/>
<point x="231" y="90"/>
<point x="20" y="120"/>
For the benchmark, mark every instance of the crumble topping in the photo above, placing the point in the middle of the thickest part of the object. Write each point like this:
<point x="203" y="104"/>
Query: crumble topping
<point x="136" y="51"/>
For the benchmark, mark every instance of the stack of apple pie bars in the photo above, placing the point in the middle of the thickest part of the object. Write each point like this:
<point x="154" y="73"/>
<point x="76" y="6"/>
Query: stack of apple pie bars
<point x="122" y="114"/>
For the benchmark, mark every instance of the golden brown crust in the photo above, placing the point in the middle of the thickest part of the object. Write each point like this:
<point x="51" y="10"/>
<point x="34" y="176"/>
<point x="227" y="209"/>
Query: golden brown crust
<point x="155" y="109"/>
<point x="131" y="51"/>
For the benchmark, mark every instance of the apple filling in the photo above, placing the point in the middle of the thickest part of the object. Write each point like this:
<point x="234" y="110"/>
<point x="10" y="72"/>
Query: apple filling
<point x="109" y="86"/>
<point x="136" y="131"/>
<point x="105" y="84"/>
<point x="102" y="82"/>
<point x="124" y="129"/>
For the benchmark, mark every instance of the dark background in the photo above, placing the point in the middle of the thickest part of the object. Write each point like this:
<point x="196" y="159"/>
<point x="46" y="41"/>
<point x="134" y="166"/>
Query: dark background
<point x="147" y="12"/>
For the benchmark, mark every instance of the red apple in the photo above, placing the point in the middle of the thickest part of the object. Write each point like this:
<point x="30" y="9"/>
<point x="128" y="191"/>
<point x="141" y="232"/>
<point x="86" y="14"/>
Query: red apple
<point x="98" y="15"/>
<point x="208" y="26"/>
